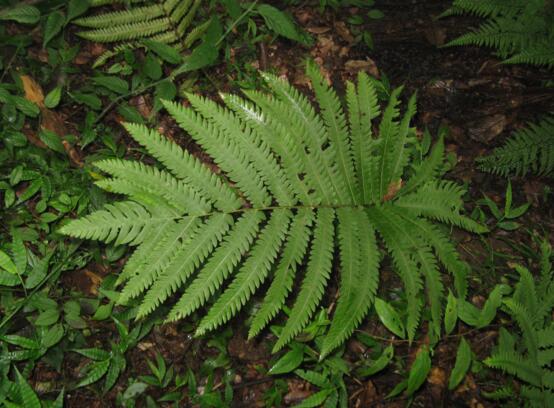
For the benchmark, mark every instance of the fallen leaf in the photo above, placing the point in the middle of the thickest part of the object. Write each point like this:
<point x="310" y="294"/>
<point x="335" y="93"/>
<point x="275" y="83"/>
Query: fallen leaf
<point x="392" y="189"/>
<point x="485" y="130"/>
<point x="367" y="65"/>
<point x="318" y="30"/>
<point x="95" y="282"/>
<point x="344" y="32"/>
<point x="33" y="91"/>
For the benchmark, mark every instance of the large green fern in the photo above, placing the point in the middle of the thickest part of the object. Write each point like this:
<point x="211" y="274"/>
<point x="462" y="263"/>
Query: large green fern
<point x="521" y="31"/>
<point x="529" y="357"/>
<point x="528" y="150"/>
<point x="166" y="21"/>
<point x="292" y="187"/>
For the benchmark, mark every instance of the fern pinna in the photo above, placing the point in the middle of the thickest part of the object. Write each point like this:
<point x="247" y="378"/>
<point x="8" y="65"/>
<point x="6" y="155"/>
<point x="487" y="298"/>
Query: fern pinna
<point x="521" y="31"/>
<point x="293" y="187"/>
<point x="529" y="150"/>
<point x="530" y="357"/>
<point x="166" y="21"/>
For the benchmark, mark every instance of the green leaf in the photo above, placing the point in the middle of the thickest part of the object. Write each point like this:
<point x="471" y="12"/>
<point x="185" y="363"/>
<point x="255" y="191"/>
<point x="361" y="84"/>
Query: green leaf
<point x="53" y="98"/>
<point x="130" y="113"/>
<point x="112" y="83"/>
<point x="282" y="24"/>
<point x="26" y="107"/>
<point x="379" y="364"/>
<point x="518" y="212"/>
<point x="7" y="264"/>
<point x="26" y="393"/>
<point x="52" y="336"/>
<point x="508" y="225"/>
<point x="76" y="8"/>
<point x="95" y="371"/>
<point x="152" y="67"/>
<point x="20" y="341"/>
<point x="54" y="25"/>
<point x="289" y="362"/>
<point x="93" y="353"/>
<point x="451" y="313"/>
<point x="463" y="361"/>
<point x="164" y="51"/>
<point x="52" y="140"/>
<point x="48" y="317"/>
<point x="508" y="205"/>
<point x="375" y="14"/>
<point x="91" y="100"/>
<point x="390" y="318"/>
<point x="398" y="388"/>
<point x="21" y="14"/>
<point x="419" y="371"/>
<point x="19" y="252"/>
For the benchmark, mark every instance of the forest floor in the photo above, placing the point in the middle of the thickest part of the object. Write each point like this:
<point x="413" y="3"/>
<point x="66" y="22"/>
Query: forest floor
<point x="463" y="89"/>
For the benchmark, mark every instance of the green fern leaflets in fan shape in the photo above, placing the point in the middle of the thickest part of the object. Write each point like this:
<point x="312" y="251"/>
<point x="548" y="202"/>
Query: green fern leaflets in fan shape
<point x="294" y="189"/>
<point x="166" y="21"/>
<point x="521" y="31"/>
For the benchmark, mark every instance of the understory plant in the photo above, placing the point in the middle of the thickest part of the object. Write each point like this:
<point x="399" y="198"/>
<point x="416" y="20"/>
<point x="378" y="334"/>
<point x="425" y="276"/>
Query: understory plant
<point x="288" y="191"/>
<point x="529" y="150"/>
<point x="528" y="353"/>
<point x="521" y="31"/>
<point x="166" y="21"/>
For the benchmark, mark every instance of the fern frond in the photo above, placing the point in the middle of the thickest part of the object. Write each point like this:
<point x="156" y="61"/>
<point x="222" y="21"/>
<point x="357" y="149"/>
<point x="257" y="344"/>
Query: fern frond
<point x="185" y="167"/>
<point x="251" y="143"/>
<point x="278" y="139"/>
<point x="486" y="8"/>
<point x="284" y="178"/>
<point x="440" y="201"/>
<point x="317" y="274"/>
<point x="178" y="194"/>
<point x="359" y="257"/>
<point x="363" y="107"/>
<point x="219" y="266"/>
<point x="186" y="260"/>
<point x="540" y="54"/>
<point x="151" y="265"/>
<point x="166" y="22"/>
<point x="121" y="17"/>
<point x="311" y="129"/>
<point x="529" y="150"/>
<point x="388" y="130"/>
<point x="224" y="151"/>
<point x="295" y="138"/>
<point x="520" y="31"/>
<point x="401" y="241"/>
<point x="121" y="222"/>
<point x="335" y="123"/>
<point x="130" y="31"/>
<point x="252" y="274"/>
<point x="515" y="364"/>
<point x="427" y="170"/>
<point x="293" y="253"/>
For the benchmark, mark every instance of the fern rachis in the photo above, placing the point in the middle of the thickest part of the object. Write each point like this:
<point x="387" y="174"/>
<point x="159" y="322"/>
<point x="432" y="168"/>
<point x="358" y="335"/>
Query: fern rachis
<point x="296" y="187"/>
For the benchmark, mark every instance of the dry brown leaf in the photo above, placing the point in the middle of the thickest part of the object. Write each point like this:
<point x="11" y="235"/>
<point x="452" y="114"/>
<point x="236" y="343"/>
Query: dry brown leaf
<point x="344" y="32"/>
<point x="367" y="65"/>
<point x="318" y="30"/>
<point x="392" y="189"/>
<point x="95" y="282"/>
<point x="437" y="376"/>
<point x="49" y="120"/>
<point x="33" y="91"/>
